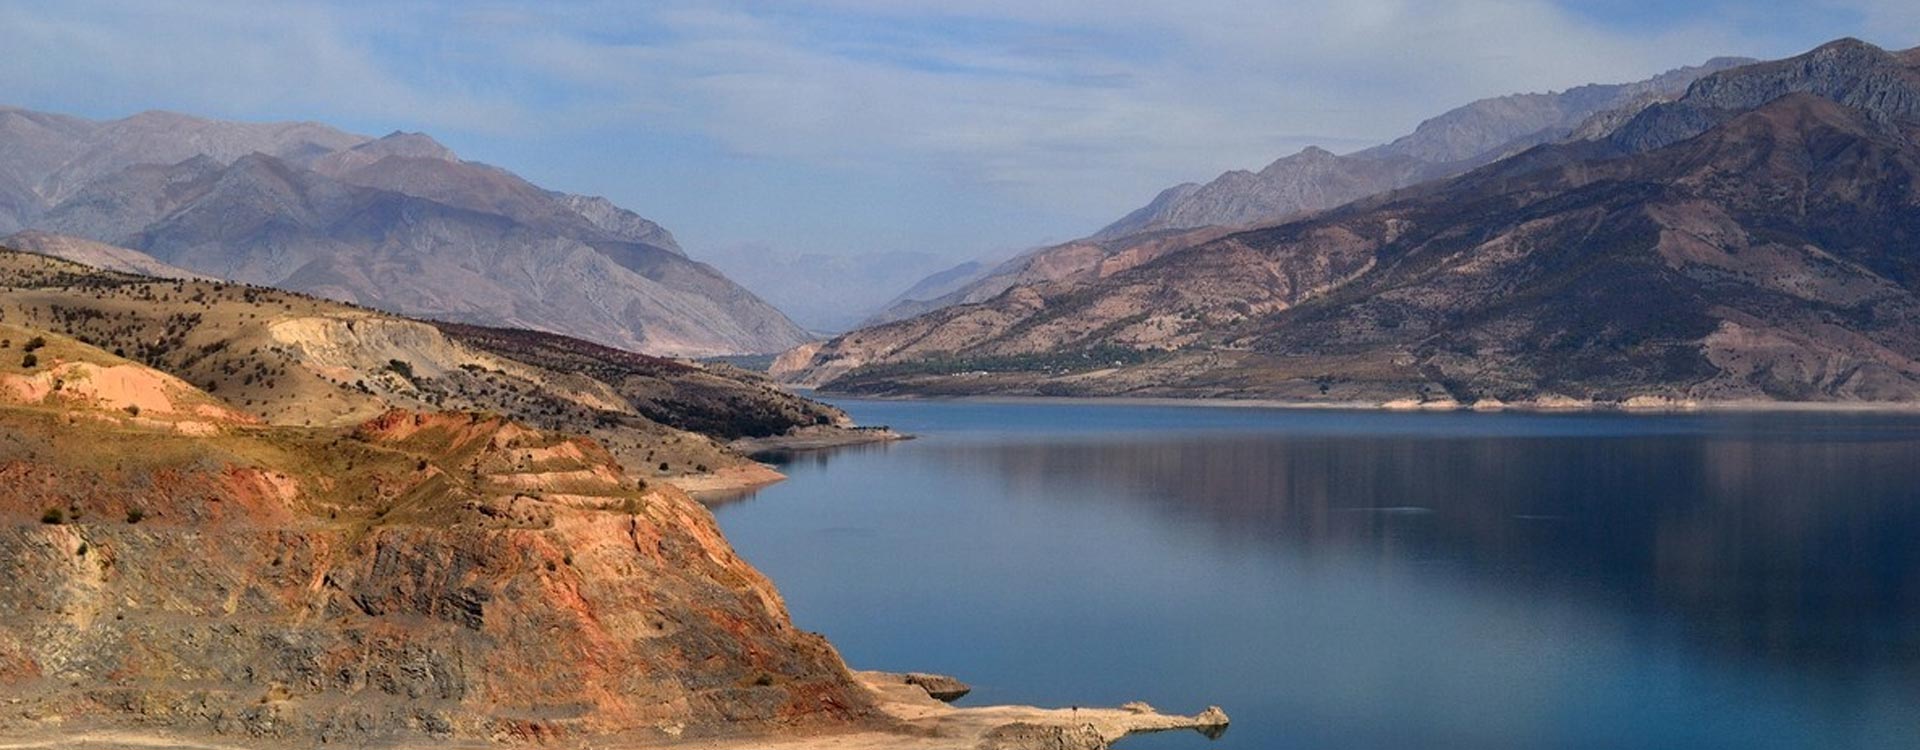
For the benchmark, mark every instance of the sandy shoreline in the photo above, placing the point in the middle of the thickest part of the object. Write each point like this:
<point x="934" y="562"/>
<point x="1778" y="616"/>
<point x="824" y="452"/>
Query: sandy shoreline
<point x="928" y="724"/>
<point x="730" y="479"/>
<point x="1569" y="406"/>
<point x="816" y="438"/>
<point x="755" y="474"/>
<point x="918" y="722"/>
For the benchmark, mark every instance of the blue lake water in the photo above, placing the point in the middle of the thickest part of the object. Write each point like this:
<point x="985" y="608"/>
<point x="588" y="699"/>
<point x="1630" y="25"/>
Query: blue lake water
<point x="1339" y="579"/>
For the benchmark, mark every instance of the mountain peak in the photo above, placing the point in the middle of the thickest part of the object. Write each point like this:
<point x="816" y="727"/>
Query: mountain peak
<point x="162" y="117"/>
<point x="1847" y="44"/>
<point x="1847" y="71"/>
<point x="409" y="145"/>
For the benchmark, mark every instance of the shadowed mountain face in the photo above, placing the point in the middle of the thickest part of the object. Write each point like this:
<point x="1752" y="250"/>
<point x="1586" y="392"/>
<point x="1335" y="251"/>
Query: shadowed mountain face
<point x="1768" y="256"/>
<point x="398" y="222"/>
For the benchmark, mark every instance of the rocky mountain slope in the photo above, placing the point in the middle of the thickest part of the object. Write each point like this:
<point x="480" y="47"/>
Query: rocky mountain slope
<point x="1766" y="257"/>
<point x="1452" y="143"/>
<point x="175" y="568"/>
<point x="1316" y="179"/>
<point x="399" y="223"/>
<point x="295" y="360"/>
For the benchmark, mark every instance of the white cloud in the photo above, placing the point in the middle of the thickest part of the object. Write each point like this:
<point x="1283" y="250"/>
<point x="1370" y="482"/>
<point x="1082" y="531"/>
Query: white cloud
<point x="1081" y="102"/>
<point x="1082" y="107"/>
<point x="233" y="59"/>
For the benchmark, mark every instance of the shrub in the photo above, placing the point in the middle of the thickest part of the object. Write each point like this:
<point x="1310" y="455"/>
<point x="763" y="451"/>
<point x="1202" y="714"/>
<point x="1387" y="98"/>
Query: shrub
<point x="53" y="516"/>
<point x="135" y="515"/>
<point x="35" y="343"/>
<point x="29" y="362"/>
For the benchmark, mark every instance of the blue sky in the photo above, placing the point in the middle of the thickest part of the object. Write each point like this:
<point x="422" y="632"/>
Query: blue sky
<point x="859" y="126"/>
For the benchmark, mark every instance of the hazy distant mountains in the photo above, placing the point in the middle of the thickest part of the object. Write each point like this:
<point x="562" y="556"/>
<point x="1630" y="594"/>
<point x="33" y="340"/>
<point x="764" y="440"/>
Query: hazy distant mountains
<point x="1753" y="239"/>
<point x="1447" y="145"/>
<point x="1316" y="179"/>
<point x="823" y="292"/>
<point x="398" y="223"/>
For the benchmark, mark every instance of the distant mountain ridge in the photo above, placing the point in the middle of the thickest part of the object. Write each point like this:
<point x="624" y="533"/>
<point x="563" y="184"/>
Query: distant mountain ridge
<point x="1316" y="179"/>
<point x="1751" y="240"/>
<point x="397" y="222"/>
<point x="1446" y="145"/>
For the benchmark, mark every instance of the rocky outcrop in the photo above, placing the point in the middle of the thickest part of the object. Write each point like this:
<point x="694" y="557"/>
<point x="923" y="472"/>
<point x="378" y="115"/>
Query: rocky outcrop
<point x="938" y="686"/>
<point x="1021" y="735"/>
<point x="382" y="585"/>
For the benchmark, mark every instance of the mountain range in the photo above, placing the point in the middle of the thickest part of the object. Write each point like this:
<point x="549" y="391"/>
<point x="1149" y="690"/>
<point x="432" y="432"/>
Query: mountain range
<point x="1751" y="239"/>
<point x="1316" y="179"/>
<point x="398" y="223"/>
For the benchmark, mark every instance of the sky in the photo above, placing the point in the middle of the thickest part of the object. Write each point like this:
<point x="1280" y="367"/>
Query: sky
<point x="958" y="128"/>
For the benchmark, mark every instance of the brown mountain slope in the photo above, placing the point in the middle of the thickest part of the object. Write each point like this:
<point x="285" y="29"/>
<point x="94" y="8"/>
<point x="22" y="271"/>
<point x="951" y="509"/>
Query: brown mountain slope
<point x="1769" y="258"/>
<point x="445" y="577"/>
<point x="295" y="360"/>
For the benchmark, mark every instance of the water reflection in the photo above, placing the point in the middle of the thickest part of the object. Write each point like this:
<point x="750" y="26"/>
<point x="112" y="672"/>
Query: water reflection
<point x="1769" y="547"/>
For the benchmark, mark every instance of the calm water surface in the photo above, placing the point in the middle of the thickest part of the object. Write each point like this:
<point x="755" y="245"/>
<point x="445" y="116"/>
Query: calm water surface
<point x="1373" y="580"/>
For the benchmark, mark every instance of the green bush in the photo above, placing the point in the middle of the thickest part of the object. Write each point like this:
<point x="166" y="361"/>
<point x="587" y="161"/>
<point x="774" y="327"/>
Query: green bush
<point x="53" y="516"/>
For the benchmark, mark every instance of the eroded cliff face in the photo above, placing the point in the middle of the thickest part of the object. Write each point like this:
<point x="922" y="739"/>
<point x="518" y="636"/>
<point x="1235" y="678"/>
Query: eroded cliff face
<point x="424" y="576"/>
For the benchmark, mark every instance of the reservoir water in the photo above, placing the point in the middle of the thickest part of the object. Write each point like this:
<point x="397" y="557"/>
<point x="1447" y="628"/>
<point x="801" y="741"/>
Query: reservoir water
<point x="1351" y="579"/>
